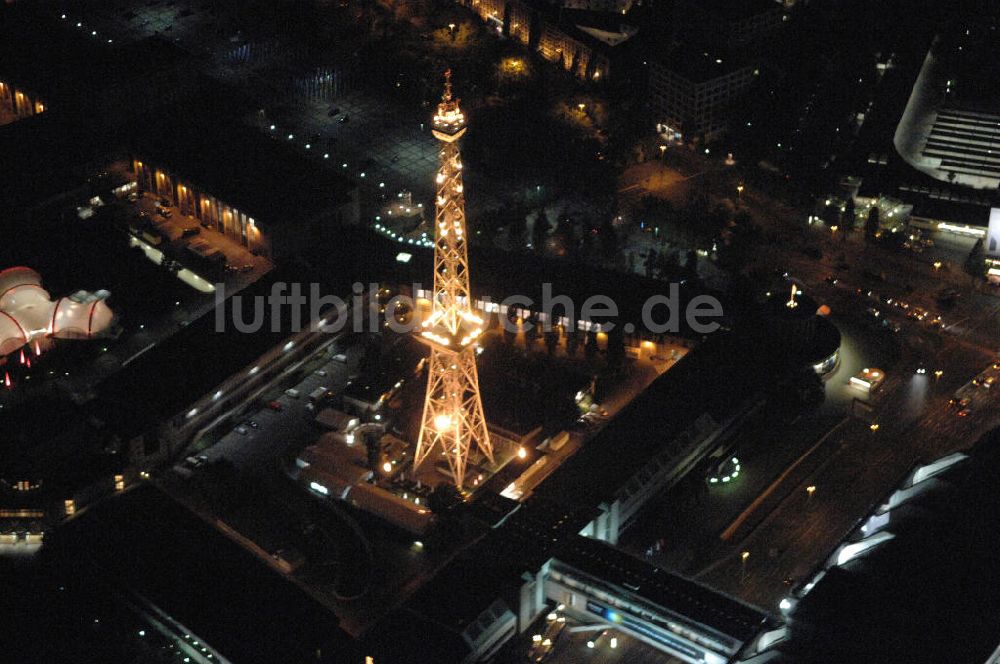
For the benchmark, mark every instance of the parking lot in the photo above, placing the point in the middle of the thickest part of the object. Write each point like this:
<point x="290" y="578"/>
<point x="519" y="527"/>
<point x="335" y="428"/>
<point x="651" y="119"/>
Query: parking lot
<point x="181" y="231"/>
<point x="279" y="418"/>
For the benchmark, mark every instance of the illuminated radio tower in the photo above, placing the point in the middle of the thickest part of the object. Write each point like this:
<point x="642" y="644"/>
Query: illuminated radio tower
<point x="453" y="417"/>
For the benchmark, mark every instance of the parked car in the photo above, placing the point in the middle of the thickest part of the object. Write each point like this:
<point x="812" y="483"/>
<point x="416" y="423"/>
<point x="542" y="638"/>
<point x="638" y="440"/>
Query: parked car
<point x="254" y="424"/>
<point x="190" y="232"/>
<point x="333" y="112"/>
<point x="275" y="406"/>
<point x="344" y="118"/>
<point x="242" y="430"/>
<point x="292" y="392"/>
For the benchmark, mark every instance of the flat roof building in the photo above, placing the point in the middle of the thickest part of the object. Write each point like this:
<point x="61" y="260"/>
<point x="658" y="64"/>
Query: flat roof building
<point x="727" y="23"/>
<point x="693" y="91"/>
<point x="714" y="56"/>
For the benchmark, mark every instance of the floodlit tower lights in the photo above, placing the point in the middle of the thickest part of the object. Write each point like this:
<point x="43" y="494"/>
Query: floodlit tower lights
<point x="453" y="420"/>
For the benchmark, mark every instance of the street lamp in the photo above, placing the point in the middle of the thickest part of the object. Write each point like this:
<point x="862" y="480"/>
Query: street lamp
<point x="663" y="151"/>
<point x="811" y="489"/>
<point x="743" y="562"/>
<point x="739" y="191"/>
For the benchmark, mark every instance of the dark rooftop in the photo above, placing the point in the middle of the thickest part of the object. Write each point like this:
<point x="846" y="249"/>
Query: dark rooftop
<point x="735" y="10"/>
<point x="45" y="156"/>
<point x="713" y="379"/>
<point x="146" y="543"/>
<point x="50" y="439"/>
<point x="65" y="64"/>
<point x="699" y="64"/>
<point x="178" y="371"/>
<point x="259" y="175"/>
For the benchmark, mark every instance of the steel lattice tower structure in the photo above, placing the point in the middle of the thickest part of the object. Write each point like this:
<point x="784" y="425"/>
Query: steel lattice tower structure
<point x="453" y="419"/>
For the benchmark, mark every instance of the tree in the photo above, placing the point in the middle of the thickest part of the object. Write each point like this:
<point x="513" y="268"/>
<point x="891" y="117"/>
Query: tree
<point x="872" y="225"/>
<point x="616" y="347"/>
<point x="691" y="265"/>
<point x="572" y="339"/>
<point x="517" y="231"/>
<point x="975" y="264"/>
<point x="540" y="230"/>
<point x="373" y="449"/>
<point x="738" y="243"/>
<point x="564" y="234"/>
<point x="709" y="223"/>
<point x="609" y="239"/>
<point x="850" y="215"/>
<point x="509" y="329"/>
<point x="551" y="341"/>
<point x="590" y="345"/>
<point x="650" y="262"/>
<point x="667" y="265"/>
